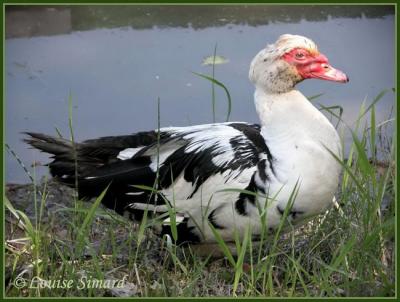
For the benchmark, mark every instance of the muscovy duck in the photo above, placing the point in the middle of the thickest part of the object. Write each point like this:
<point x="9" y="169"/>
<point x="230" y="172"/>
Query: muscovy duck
<point x="192" y="167"/>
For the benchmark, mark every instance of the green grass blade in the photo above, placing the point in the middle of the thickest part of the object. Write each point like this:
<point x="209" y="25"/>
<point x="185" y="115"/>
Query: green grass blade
<point x="363" y="161"/>
<point x="374" y="102"/>
<point x="347" y="169"/>
<point x="373" y="133"/>
<point x="240" y="259"/>
<point x="223" y="246"/>
<point x="91" y="213"/>
<point x="213" y="84"/>
<point x="59" y="134"/>
<point x="314" y="97"/>
<point x="223" y="87"/>
<point x="344" y="250"/>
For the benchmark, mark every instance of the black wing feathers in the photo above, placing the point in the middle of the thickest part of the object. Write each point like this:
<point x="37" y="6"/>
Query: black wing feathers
<point x="98" y="165"/>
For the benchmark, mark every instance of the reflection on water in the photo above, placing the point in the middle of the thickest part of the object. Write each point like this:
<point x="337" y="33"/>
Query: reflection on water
<point x="117" y="61"/>
<point x="23" y="20"/>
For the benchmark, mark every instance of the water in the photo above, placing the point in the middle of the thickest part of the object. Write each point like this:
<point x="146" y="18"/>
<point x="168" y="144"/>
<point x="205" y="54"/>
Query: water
<point x="117" y="61"/>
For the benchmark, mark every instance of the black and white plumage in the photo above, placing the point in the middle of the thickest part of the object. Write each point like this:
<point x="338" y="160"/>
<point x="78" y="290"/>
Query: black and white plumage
<point x="194" y="168"/>
<point x="198" y="161"/>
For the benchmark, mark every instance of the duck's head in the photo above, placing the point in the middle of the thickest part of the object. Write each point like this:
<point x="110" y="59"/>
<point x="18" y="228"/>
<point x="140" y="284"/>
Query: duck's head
<point x="290" y="60"/>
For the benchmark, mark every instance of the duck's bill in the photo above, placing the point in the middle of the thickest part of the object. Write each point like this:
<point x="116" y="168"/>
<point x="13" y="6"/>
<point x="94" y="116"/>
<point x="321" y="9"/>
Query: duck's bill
<point x="319" y="68"/>
<point x="329" y="73"/>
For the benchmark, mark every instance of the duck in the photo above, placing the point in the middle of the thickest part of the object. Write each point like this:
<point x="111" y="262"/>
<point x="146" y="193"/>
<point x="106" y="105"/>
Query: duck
<point x="219" y="177"/>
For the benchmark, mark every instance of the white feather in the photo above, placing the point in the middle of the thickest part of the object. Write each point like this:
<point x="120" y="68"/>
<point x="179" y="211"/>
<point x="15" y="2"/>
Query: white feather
<point x="134" y="193"/>
<point x="215" y="136"/>
<point x="149" y="207"/>
<point x="128" y="153"/>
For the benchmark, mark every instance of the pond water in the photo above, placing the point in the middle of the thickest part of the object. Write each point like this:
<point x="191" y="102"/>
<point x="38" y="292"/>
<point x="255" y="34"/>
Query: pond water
<point x="116" y="61"/>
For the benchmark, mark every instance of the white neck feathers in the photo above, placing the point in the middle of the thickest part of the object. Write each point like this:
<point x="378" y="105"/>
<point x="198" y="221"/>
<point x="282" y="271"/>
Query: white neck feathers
<point x="283" y="108"/>
<point x="288" y="117"/>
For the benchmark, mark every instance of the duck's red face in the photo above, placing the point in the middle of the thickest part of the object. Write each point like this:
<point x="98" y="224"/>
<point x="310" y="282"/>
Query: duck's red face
<point x="313" y="65"/>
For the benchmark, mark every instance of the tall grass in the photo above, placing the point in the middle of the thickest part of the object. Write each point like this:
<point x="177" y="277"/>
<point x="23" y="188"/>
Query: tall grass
<point x="348" y="251"/>
<point x="213" y="61"/>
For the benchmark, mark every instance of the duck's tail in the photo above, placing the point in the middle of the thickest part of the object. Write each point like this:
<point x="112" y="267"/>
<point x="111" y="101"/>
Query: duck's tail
<point x="64" y="153"/>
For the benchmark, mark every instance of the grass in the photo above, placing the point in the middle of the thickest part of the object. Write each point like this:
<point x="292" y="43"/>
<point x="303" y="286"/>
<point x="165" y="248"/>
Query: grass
<point x="213" y="61"/>
<point x="349" y="251"/>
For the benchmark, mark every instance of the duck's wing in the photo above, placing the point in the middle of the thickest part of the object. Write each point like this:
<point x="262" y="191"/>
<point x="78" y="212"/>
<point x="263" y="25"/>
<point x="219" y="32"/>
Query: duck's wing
<point x="130" y="163"/>
<point x="200" y="152"/>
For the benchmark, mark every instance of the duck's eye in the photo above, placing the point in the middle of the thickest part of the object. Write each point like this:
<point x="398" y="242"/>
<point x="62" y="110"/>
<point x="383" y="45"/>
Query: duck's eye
<point x="299" y="55"/>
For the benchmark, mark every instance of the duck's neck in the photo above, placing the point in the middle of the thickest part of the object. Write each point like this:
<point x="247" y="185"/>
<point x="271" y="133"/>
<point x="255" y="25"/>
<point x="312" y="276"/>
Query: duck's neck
<point x="297" y="134"/>
<point x="286" y="109"/>
<point x="289" y="116"/>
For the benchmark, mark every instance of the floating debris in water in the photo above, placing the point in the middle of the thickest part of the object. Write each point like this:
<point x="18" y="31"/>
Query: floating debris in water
<point x="214" y="60"/>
